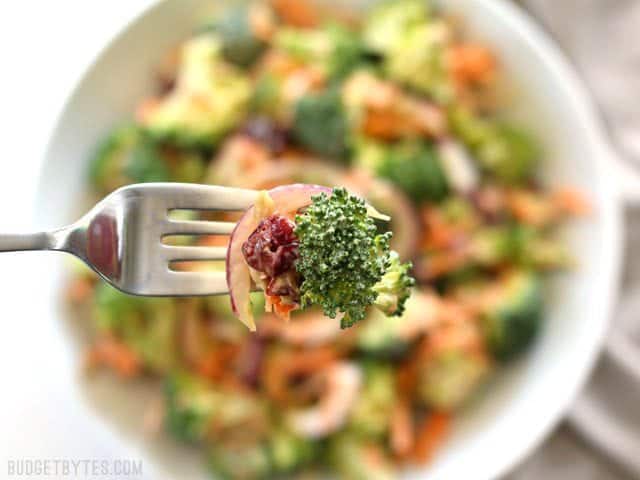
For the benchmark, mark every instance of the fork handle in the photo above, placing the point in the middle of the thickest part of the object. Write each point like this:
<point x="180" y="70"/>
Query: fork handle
<point x="14" y="242"/>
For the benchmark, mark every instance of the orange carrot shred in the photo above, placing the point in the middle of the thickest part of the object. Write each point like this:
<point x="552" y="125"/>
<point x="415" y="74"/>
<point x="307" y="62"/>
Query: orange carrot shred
<point x="431" y="435"/>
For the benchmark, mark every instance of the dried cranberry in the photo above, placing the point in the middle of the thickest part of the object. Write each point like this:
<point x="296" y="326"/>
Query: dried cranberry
<point x="273" y="247"/>
<point x="268" y="133"/>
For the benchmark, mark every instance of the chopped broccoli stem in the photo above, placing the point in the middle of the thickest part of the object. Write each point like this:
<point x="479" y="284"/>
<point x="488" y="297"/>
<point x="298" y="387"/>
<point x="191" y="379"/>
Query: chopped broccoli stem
<point x="388" y="23"/>
<point x="394" y="288"/>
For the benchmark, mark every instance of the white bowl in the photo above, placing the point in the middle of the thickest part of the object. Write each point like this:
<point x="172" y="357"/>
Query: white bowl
<point x="527" y="399"/>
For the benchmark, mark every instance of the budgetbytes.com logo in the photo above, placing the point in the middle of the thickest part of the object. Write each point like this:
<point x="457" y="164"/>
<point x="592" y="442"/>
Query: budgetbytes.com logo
<point x="73" y="468"/>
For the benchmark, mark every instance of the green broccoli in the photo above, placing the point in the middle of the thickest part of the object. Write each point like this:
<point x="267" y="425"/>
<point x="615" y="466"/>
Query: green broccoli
<point x="342" y="257"/>
<point x="239" y="42"/>
<point x="147" y="325"/>
<point x="210" y="98"/>
<point x="494" y="245"/>
<point x="514" y="319"/>
<point x="355" y="459"/>
<point x="371" y="413"/>
<point x="191" y="404"/>
<point x="446" y="381"/>
<point x="320" y="124"/>
<point x="239" y="462"/>
<point x="413" y="45"/>
<point x="379" y="336"/>
<point x="389" y="21"/>
<point x="282" y="453"/>
<point x="289" y="452"/>
<point x="334" y="49"/>
<point x="504" y="151"/>
<point x="536" y="250"/>
<point x="196" y="409"/>
<point x="417" y="60"/>
<point x="126" y="156"/>
<point x="412" y="165"/>
<point x="394" y="288"/>
<point x="267" y="96"/>
<point x="518" y="244"/>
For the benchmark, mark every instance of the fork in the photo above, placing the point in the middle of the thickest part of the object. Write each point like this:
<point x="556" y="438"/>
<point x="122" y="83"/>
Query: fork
<point x="121" y="237"/>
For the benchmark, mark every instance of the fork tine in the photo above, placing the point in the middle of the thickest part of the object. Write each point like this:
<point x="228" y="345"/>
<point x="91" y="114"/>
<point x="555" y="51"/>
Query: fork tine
<point x="204" y="197"/>
<point x="172" y="253"/>
<point x="196" y="283"/>
<point x="197" y="227"/>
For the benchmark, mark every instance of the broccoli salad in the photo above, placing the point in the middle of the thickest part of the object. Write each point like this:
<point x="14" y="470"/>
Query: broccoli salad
<point x="323" y="110"/>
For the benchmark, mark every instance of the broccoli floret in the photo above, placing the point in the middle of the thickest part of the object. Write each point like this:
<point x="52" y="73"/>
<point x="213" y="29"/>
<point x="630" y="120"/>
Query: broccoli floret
<point x="503" y="151"/>
<point x="418" y="61"/>
<point x="389" y="21"/>
<point x="126" y="156"/>
<point x="518" y="244"/>
<point x="239" y="462"/>
<point x="266" y="99"/>
<point x="342" y="257"/>
<point x="447" y="380"/>
<point x="289" y="452"/>
<point x="190" y="406"/>
<point x="379" y="336"/>
<point x="209" y="99"/>
<point x="147" y="325"/>
<point x="494" y="245"/>
<point x="394" y="288"/>
<point x="281" y="454"/>
<point x="389" y="338"/>
<point x="240" y="45"/>
<point x="354" y="459"/>
<point x="197" y="410"/>
<point x="535" y="249"/>
<point x="320" y="124"/>
<point x="413" y="166"/>
<point x="334" y="49"/>
<point x="371" y="413"/>
<point x="513" y="321"/>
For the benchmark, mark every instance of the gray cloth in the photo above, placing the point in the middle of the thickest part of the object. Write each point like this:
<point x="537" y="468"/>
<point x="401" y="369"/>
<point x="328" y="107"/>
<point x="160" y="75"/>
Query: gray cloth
<point x="601" y="37"/>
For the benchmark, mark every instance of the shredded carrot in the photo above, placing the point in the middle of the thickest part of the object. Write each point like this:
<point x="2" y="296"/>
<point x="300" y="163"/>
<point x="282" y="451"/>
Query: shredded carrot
<point x="531" y="208"/>
<point x="80" y="289"/>
<point x="114" y="354"/>
<point x="401" y="435"/>
<point x="431" y="435"/>
<point x="217" y="362"/>
<point x="471" y="64"/>
<point x="571" y="201"/>
<point x="299" y="13"/>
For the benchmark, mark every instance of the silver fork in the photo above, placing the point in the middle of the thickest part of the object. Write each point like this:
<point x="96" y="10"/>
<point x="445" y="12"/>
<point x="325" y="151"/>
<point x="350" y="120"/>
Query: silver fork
<point x="121" y="237"/>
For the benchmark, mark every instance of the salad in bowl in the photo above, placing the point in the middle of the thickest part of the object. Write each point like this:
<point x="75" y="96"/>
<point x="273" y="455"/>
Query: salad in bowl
<point x="397" y="107"/>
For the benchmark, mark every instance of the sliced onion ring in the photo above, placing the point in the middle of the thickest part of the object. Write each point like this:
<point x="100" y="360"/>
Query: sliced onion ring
<point x="287" y="200"/>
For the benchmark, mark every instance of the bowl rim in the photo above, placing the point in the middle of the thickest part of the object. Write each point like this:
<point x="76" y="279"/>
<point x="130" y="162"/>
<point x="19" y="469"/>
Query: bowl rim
<point x="537" y="40"/>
